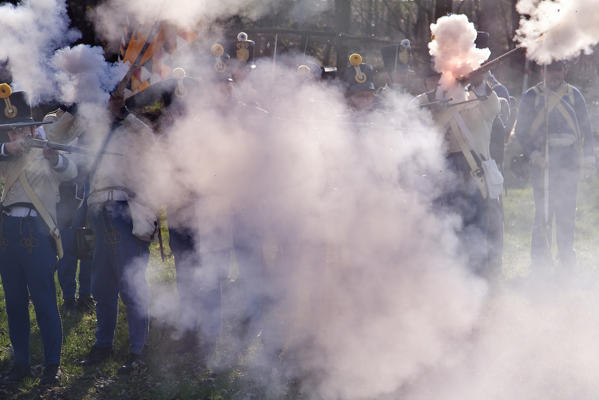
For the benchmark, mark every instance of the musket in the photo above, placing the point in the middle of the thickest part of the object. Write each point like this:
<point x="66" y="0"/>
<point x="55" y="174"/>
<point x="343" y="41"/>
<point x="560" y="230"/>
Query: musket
<point x="489" y="65"/>
<point x="30" y="142"/>
<point x="436" y="102"/>
<point x="447" y="102"/>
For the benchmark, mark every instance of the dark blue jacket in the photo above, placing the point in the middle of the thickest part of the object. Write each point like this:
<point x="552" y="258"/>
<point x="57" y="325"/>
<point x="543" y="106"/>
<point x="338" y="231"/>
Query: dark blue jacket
<point x="532" y="107"/>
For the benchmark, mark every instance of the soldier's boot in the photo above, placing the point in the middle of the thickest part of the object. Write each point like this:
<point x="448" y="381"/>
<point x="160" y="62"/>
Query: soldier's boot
<point x="86" y="304"/>
<point x="96" y="355"/>
<point x="69" y="305"/>
<point x="134" y="363"/>
<point x="51" y="375"/>
<point x="16" y="374"/>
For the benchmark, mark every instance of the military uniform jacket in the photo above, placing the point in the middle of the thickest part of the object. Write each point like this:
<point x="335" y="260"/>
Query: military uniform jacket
<point x="568" y="120"/>
<point x="42" y="177"/>
<point x="121" y="177"/>
<point x="477" y="116"/>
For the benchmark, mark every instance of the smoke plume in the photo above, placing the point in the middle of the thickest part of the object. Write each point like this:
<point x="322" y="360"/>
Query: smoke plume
<point x="557" y="29"/>
<point x="29" y="34"/>
<point x="113" y="16"/>
<point x="83" y="75"/>
<point x="453" y="49"/>
<point x="536" y="339"/>
<point x="318" y="224"/>
<point x="357" y="280"/>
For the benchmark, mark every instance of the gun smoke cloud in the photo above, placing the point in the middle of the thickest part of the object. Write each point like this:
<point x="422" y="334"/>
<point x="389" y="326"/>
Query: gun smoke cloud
<point x="113" y="16"/>
<point x="349" y="292"/>
<point x="83" y="75"/>
<point x="536" y="339"/>
<point x="355" y="281"/>
<point x="29" y="34"/>
<point x="557" y="29"/>
<point x="453" y="49"/>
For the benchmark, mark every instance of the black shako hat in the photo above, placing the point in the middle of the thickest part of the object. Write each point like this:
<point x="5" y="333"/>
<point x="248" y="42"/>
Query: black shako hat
<point x="242" y="50"/>
<point x="557" y="65"/>
<point x="220" y="63"/>
<point x="397" y="57"/>
<point x="163" y="93"/>
<point x="482" y="39"/>
<point x="358" y="77"/>
<point x="310" y="70"/>
<point x="15" y="111"/>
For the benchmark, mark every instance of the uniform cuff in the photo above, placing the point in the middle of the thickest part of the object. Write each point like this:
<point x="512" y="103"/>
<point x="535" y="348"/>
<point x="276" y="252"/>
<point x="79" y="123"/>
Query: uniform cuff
<point x="62" y="164"/>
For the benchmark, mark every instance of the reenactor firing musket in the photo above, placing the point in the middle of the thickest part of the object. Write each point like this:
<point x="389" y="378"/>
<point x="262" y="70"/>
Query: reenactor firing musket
<point x="30" y="142"/>
<point x="475" y="75"/>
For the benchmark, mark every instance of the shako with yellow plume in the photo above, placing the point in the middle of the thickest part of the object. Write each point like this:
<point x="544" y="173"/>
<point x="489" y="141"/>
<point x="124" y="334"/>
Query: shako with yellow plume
<point x="358" y="76"/>
<point x="242" y="50"/>
<point x="16" y="111"/>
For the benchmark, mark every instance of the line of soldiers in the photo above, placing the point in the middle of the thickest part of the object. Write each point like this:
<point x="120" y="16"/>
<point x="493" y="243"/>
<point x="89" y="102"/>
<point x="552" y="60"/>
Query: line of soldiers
<point x="51" y="202"/>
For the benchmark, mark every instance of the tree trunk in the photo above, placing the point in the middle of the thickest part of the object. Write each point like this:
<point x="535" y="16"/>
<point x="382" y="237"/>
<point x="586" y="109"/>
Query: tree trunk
<point x="442" y="7"/>
<point x="342" y="25"/>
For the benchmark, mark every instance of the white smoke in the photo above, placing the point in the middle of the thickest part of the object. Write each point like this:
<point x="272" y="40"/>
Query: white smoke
<point x="537" y="339"/>
<point x="557" y="29"/>
<point x="453" y="49"/>
<point x="113" y="16"/>
<point x="29" y="34"/>
<point x="83" y="75"/>
<point x="365" y="292"/>
<point x="363" y="283"/>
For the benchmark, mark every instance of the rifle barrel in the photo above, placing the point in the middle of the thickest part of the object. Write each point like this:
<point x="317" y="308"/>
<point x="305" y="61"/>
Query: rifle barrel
<point x="42" y="144"/>
<point x="490" y="64"/>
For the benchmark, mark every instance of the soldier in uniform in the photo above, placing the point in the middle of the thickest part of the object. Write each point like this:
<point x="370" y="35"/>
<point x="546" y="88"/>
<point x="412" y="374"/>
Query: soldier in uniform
<point x="124" y="226"/>
<point x="71" y="212"/>
<point x="242" y="57"/>
<point x="358" y="79"/>
<point x="397" y="60"/>
<point x="499" y="136"/>
<point x="557" y="151"/>
<point x="29" y="238"/>
<point x="472" y="180"/>
<point x="202" y="251"/>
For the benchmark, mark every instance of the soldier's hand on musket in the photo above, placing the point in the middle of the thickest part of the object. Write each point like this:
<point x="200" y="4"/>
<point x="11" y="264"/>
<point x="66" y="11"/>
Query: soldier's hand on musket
<point x="51" y="155"/>
<point x="479" y="84"/>
<point x="16" y="146"/>
<point x="477" y="79"/>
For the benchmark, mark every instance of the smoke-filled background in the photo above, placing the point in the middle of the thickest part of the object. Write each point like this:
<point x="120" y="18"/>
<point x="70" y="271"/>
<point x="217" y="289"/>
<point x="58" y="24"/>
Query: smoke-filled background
<point x="557" y="30"/>
<point x="362" y="292"/>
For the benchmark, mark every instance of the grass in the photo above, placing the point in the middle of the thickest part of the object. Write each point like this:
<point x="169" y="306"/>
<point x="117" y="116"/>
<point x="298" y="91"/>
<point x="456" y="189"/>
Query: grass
<point x="173" y="376"/>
